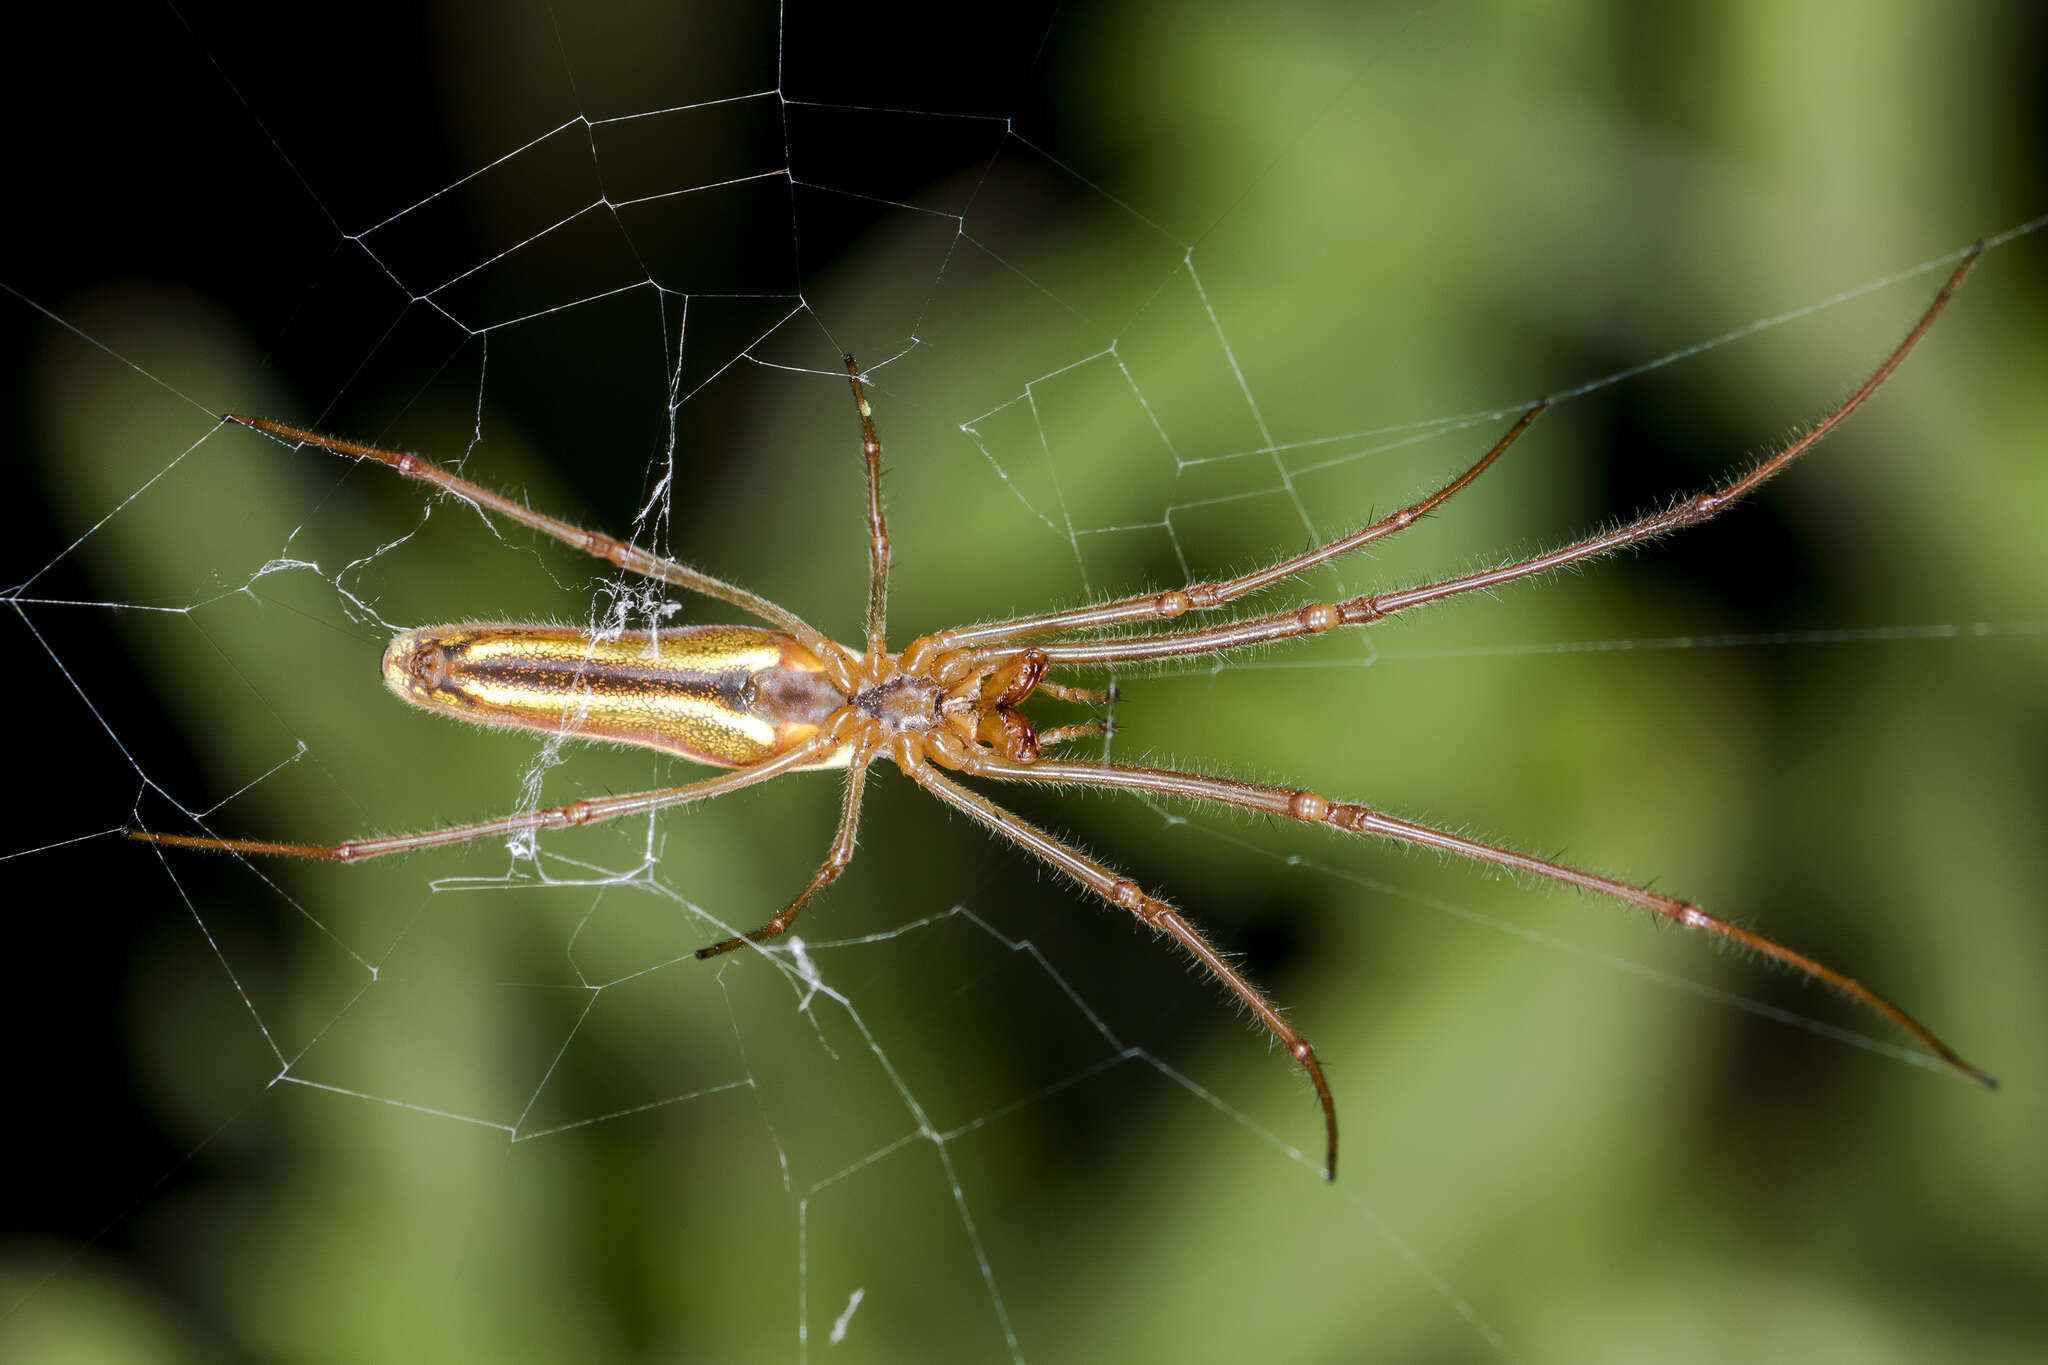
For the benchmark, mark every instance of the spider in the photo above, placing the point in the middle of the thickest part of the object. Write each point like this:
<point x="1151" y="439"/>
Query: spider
<point x="764" y="702"/>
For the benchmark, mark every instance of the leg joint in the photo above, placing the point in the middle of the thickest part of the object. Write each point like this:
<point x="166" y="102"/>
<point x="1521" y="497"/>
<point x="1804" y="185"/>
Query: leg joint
<point x="1348" y="817"/>
<point x="1307" y="806"/>
<point x="1359" y="611"/>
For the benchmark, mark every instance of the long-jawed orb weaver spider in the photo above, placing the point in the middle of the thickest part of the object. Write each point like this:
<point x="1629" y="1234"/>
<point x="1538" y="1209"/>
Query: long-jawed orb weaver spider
<point x="764" y="702"/>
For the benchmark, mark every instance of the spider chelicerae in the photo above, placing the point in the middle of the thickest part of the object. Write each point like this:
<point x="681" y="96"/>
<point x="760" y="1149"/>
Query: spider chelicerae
<point x="764" y="702"/>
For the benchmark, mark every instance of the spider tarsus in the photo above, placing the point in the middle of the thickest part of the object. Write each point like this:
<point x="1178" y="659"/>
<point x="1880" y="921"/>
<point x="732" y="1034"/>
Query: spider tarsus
<point x="1968" y="263"/>
<point x="1984" y="1080"/>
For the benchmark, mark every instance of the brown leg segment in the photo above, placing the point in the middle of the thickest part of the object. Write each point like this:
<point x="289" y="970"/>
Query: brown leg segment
<point x="1207" y="596"/>
<point x="1317" y="617"/>
<point x="585" y="812"/>
<point x="878" y="525"/>
<point x="1310" y="808"/>
<point x="628" y="557"/>
<point x="1127" y="895"/>
<point x="836" y="858"/>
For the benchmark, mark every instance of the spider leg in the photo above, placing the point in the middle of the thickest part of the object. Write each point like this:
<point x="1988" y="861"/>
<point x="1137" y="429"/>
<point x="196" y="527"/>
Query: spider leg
<point x="841" y="852"/>
<point x="878" y="524"/>
<point x="1310" y="808"/>
<point x="1207" y="596"/>
<point x="584" y="812"/>
<point x="836" y="858"/>
<point x="1086" y="696"/>
<point x="1369" y="608"/>
<point x="1064" y="734"/>
<point x="628" y="557"/>
<point x="1127" y="895"/>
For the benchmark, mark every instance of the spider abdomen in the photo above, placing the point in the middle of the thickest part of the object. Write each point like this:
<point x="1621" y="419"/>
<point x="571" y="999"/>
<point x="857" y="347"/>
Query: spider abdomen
<point x="724" y="695"/>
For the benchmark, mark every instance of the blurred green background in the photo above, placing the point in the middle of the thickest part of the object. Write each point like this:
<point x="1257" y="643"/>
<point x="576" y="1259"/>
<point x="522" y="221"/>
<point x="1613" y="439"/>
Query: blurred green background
<point x="1148" y="292"/>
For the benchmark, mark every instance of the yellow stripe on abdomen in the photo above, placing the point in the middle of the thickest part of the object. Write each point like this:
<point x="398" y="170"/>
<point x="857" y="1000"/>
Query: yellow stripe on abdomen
<point x="727" y="695"/>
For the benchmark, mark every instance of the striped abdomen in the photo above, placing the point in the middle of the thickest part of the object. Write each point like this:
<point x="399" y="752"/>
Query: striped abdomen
<point x="726" y="695"/>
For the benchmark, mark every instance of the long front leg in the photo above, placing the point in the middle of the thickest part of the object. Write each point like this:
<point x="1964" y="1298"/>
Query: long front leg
<point x="1365" y="610"/>
<point x="1310" y="808"/>
<point x="1208" y="596"/>
<point x="1127" y="895"/>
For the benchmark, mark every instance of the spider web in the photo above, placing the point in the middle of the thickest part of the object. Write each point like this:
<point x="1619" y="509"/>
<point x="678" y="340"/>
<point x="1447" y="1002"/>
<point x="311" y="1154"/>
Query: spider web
<point x="1144" y="298"/>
